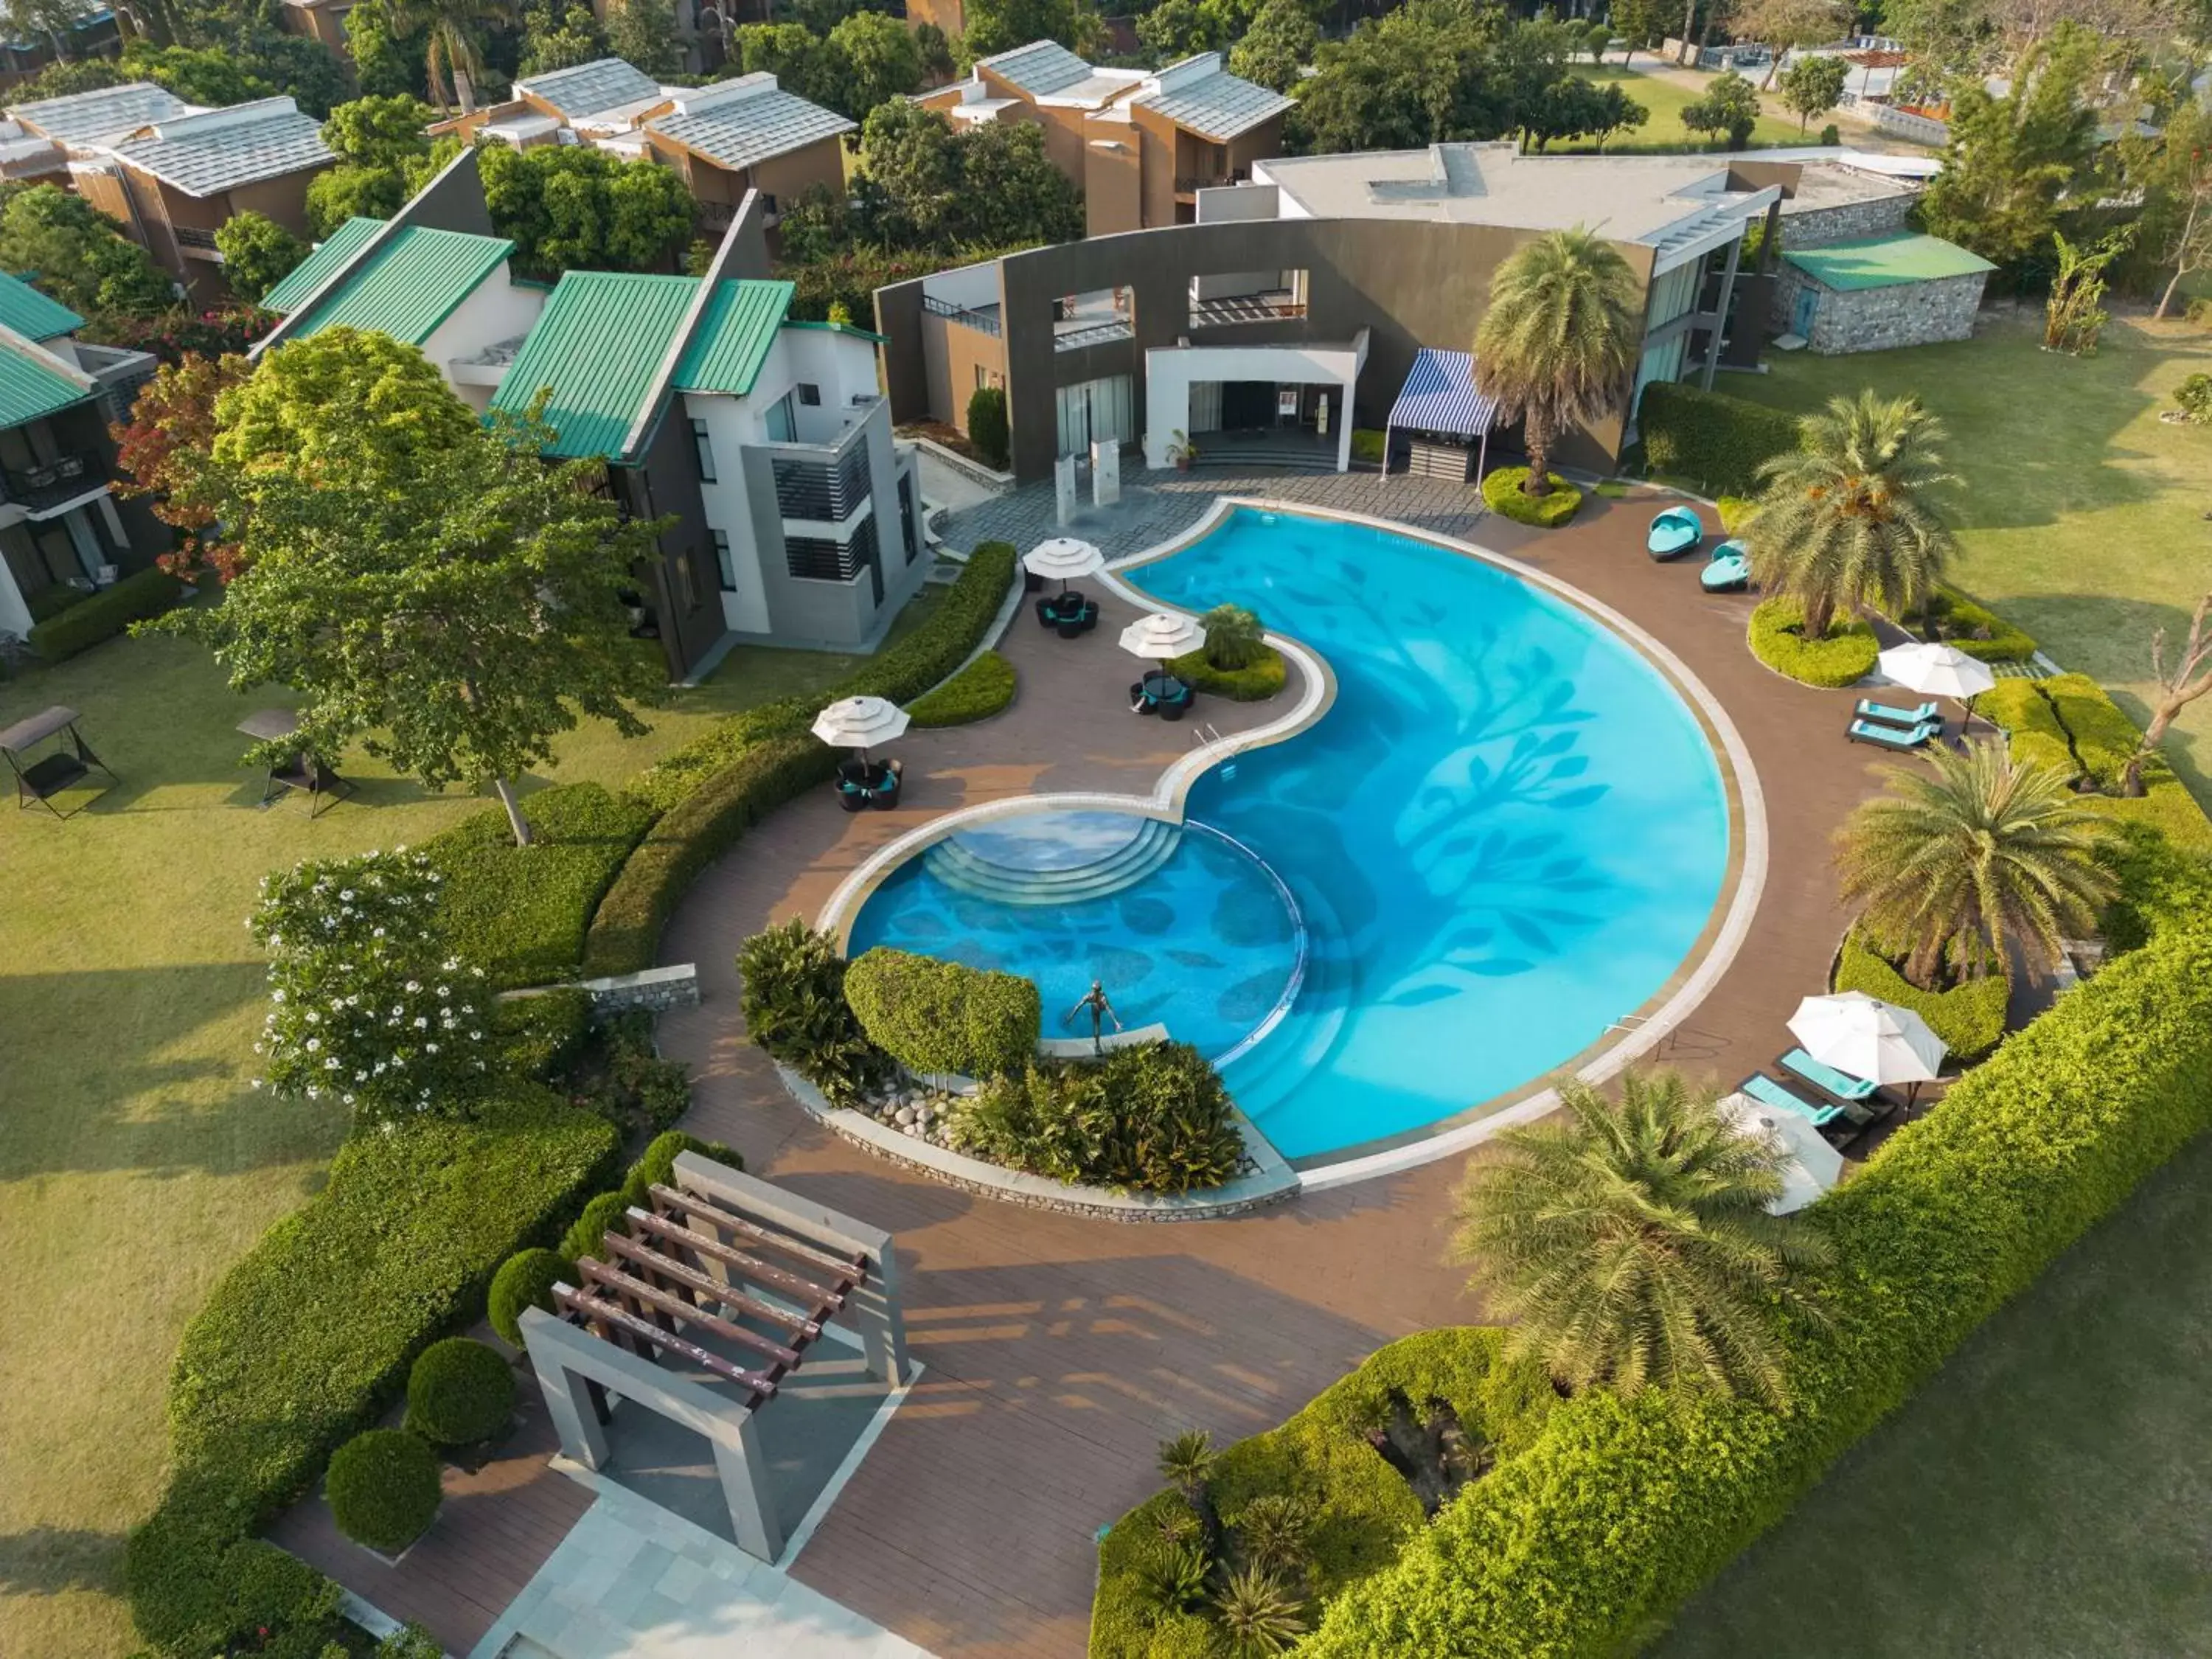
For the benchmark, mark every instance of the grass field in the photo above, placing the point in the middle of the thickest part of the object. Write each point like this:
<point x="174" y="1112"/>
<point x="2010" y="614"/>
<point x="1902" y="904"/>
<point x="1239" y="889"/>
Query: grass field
<point x="2081" y="514"/>
<point x="1663" y="130"/>
<point x="136" y="1164"/>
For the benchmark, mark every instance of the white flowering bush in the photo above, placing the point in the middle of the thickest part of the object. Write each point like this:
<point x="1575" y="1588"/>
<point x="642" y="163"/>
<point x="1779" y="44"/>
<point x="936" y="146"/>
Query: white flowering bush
<point x="366" y="1002"/>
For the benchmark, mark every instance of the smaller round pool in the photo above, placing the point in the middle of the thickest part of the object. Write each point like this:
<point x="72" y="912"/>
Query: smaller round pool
<point x="1182" y="925"/>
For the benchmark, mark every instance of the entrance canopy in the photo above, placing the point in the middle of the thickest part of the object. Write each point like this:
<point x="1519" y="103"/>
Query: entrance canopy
<point x="1440" y="397"/>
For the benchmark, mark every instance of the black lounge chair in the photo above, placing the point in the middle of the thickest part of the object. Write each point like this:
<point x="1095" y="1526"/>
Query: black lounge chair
<point x="1070" y="612"/>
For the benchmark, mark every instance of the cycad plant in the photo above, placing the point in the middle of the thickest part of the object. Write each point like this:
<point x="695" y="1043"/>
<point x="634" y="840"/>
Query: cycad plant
<point x="1560" y="341"/>
<point x="1630" y="1245"/>
<point x="1846" y="520"/>
<point x="1971" y="857"/>
<point x="1259" y="1612"/>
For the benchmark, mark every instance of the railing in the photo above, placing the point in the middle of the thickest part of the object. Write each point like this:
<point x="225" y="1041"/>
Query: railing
<point x="192" y="236"/>
<point x="65" y="477"/>
<point x="1090" y="334"/>
<point x="828" y="491"/>
<point x="1191" y="185"/>
<point x="1245" y="308"/>
<point x="983" y="322"/>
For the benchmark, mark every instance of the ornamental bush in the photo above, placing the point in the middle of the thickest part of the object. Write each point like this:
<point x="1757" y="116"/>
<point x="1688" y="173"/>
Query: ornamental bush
<point x="982" y="689"/>
<point x="943" y="1017"/>
<point x="1970" y="1017"/>
<point x="525" y="1279"/>
<point x="1845" y="657"/>
<point x="1234" y="637"/>
<point x="383" y="1490"/>
<point x="587" y="1235"/>
<point x="459" y="1392"/>
<point x="1153" y="1119"/>
<point x="1978" y="630"/>
<point x="1255" y="683"/>
<point x="987" y="428"/>
<point x="105" y="614"/>
<point x="795" y="1009"/>
<point x="2034" y="736"/>
<point x="1503" y="494"/>
<point x="2193" y="398"/>
<point x="1718" y="443"/>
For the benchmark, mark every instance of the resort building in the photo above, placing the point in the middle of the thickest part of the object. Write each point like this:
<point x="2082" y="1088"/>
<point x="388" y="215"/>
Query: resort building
<point x="62" y="530"/>
<point x="94" y="32"/>
<point x="1879" y="292"/>
<point x="798" y="518"/>
<point x="323" y="21"/>
<point x="1140" y="146"/>
<point x="1294" y="308"/>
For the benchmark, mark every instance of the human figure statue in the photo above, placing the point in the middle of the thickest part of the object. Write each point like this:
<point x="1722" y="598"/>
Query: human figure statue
<point x="1101" y="1011"/>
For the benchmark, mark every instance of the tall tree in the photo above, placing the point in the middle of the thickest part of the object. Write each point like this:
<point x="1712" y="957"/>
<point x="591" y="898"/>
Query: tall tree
<point x="1630" y="1247"/>
<point x="1425" y="73"/>
<point x="1639" y="23"/>
<point x="1971" y="857"/>
<point x="1275" y="51"/>
<point x="879" y="59"/>
<point x="1558" y="343"/>
<point x="1730" y="107"/>
<point x="2180" y="681"/>
<point x="996" y="26"/>
<point x="78" y="254"/>
<point x="257" y="254"/>
<point x="1847" y="519"/>
<point x="162" y="453"/>
<point x="455" y="30"/>
<point x="1175" y="29"/>
<point x="642" y="33"/>
<point x="430" y="586"/>
<point x="1813" y="85"/>
<point x="572" y="208"/>
<point x="2173" y="170"/>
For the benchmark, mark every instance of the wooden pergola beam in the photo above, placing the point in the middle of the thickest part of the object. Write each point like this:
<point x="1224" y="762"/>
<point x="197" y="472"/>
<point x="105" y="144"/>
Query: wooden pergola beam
<point x="851" y="1268"/>
<point x="713" y="1250"/>
<point x="651" y="1260"/>
<point x="830" y="1297"/>
<point x="597" y="1311"/>
<point x="628" y="1285"/>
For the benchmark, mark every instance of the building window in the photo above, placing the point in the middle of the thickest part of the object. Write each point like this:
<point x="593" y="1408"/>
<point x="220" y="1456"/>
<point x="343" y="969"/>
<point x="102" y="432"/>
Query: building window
<point x="810" y="395"/>
<point x="782" y="426"/>
<point x="986" y="378"/>
<point x="727" y="570"/>
<point x="706" y="448"/>
<point x="1095" y="411"/>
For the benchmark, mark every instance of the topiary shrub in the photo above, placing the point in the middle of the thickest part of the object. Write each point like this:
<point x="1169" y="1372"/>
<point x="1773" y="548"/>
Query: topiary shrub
<point x="1970" y="1017"/>
<point x="525" y="1279"/>
<point x="384" y="1489"/>
<point x="2193" y="398"/>
<point x="656" y="1164"/>
<point x="982" y="689"/>
<point x="795" y="1009"/>
<point x="459" y="1392"/>
<point x="988" y="428"/>
<point x="1234" y="637"/>
<point x="1154" y="1119"/>
<point x="943" y="1017"/>
<point x="1717" y="442"/>
<point x="105" y="614"/>
<point x="1503" y="494"/>
<point x="1255" y="683"/>
<point x="1844" y="657"/>
<point x="587" y="1233"/>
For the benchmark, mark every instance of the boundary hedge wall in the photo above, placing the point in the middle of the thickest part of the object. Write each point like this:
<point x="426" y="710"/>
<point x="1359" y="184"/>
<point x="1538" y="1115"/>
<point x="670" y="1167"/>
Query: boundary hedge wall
<point x="104" y="615"/>
<point x="1719" y="441"/>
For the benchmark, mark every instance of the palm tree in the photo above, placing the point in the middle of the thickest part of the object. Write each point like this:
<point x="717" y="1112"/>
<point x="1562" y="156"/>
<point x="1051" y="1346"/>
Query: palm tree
<point x="1630" y="1244"/>
<point x="1558" y="343"/>
<point x="1975" y="856"/>
<point x="1260" y="1615"/>
<point x="1845" y="520"/>
<point x="1190" y="1460"/>
<point x="455" y="27"/>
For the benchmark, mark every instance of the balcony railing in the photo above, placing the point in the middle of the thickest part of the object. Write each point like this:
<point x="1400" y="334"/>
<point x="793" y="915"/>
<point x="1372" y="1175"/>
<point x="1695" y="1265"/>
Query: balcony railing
<point x="192" y="236"/>
<point x="1192" y="185"/>
<point x="52" y="483"/>
<point x="827" y="491"/>
<point x="983" y="319"/>
<point x="1075" y="337"/>
<point x="1246" y="308"/>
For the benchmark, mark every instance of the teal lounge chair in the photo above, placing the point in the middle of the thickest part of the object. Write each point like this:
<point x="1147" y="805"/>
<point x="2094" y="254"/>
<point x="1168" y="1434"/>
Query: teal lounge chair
<point x="1673" y="532"/>
<point x="1894" y="736"/>
<point x="1924" y="715"/>
<point x="1728" y="571"/>
<point x="1842" y="1084"/>
<point x="1767" y="1092"/>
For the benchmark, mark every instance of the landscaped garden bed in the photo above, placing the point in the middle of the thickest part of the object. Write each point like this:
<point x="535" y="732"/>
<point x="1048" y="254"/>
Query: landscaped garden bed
<point x="1843" y="656"/>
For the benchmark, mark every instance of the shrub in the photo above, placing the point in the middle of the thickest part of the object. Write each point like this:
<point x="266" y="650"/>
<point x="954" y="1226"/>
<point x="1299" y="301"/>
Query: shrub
<point x="542" y="1035"/>
<point x="1717" y="442"/>
<point x="54" y="598"/>
<point x="522" y="913"/>
<point x="1153" y="1119"/>
<point x="943" y="1017"/>
<point x="1367" y="446"/>
<point x="986" y="424"/>
<point x="2104" y="736"/>
<point x="1234" y="637"/>
<point x="1970" y="1017"/>
<point x="1736" y="512"/>
<point x="525" y="1279"/>
<point x="587" y="1233"/>
<point x="1502" y="494"/>
<point x="982" y="689"/>
<point x="1978" y="630"/>
<point x="384" y="1489"/>
<point x="460" y="1392"/>
<point x="409" y="1641"/>
<point x="2193" y="396"/>
<point x="104" y="615"/>
<point x="656" y="1165"/>
<point x="1844" y="657"/>
<point x="2034" y="736"/>
<point x="795" y="1009"/>
<point x="1832" y="134"/>
<point x="1257" y="682"/>
<point x="1620" y="1509"/>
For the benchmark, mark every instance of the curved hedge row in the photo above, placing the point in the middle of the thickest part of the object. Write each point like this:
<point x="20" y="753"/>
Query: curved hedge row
<point x="1970" y="1017"/>
<point x="982" y="689"/>
<point x="1256" y="683"/>
<point x="1620" y="1510"/>
<point x="936" y="1016"/>
<point x="1844" y="657"/>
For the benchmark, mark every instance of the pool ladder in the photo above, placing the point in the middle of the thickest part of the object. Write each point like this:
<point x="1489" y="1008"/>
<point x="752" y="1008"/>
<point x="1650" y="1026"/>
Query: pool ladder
<point x="1208" y="739"/>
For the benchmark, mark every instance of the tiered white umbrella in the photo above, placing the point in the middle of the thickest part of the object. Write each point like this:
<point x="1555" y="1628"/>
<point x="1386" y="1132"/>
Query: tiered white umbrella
<point x="1065" y="558"/>
<point x="859" y="723"/>
<point x="1810" y="1166"/>
<point x="1936" y="669"/>
<point x="1162" y="637"/>
<point x="1866" y="1037"/>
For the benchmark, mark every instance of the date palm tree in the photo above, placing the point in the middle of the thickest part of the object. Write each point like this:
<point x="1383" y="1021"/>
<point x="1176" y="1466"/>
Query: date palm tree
<point x="1558" y="343"/>
<point x="454" y="58"/>
<point x="1972" y="855"/>
<point x="1846" y="518"/>
<point x="1631" y="1246"/>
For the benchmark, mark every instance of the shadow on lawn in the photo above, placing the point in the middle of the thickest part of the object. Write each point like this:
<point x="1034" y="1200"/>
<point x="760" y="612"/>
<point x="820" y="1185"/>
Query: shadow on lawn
<point x="47" y="1560"/>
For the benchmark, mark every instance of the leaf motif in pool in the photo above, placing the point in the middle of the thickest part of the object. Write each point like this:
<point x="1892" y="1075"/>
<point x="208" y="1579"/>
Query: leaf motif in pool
<point x="1576" y="800"/>
<point x="1119" y="969"/>
<point x="1193" y="959"/>
<point x="925" y="923"/>
<point x="1500" y="967"/>
<point x="1149" y="916"/>
<point x="1245" y="1001"/>
<point x="1421" y="995"/>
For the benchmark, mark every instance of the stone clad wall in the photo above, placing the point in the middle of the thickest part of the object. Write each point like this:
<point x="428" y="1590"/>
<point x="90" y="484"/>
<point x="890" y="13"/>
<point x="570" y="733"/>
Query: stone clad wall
<point x="1850" y="221"/>
<point x="656" y="989"/>
<point x="1881" y="319"/>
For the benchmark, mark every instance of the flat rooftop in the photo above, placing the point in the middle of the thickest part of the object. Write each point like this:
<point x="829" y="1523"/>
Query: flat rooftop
<point x="1833" y="183"/>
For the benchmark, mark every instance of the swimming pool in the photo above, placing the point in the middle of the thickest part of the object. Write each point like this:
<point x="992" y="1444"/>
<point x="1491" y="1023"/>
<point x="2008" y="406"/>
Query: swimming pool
<point x="1508" y="831"/>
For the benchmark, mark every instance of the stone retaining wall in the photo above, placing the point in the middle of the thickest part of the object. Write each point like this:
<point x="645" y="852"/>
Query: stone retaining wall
<point x="656" y="989"/>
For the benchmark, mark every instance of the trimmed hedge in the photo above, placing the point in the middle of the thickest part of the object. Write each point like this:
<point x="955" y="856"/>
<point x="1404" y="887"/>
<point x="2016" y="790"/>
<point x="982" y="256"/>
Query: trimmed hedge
<point x="311" y="1334"/>
<point x="2104" y="736"/>
<point x="1503" y="494"/>
<point x="1719" y="441"/>
<point x="2034" y="737"/>
<point x="1255" y="684"/>
<point x="982" y="689"/>
<point x="2069" y="722"/>
<point x="137" y="596"/>
<point x="543" y="1036"/>
<point x="939" y="1017"/>
<point x="525" y="1279"/>
<point x="1979" y="631"/>
<point x="1735" y="512"/>
<point x="459" y="1392"/>
<point x="521" y="913"/>
<point x="1970" y="1017"/>
<point x="1586" y="1541"/>
<point x="384" y="1489"/>
<point x="1844" y="657"/>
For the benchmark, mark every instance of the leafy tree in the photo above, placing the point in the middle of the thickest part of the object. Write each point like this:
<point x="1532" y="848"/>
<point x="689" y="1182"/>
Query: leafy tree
<point x="176" y="333"/>
<point x="1011" y="192"/>
<point x="2173" y="170"/>
<point x="572" y="207"/>
<point x="81" y="256"/>
<point x="1971" y="857"/>
<point x="996" y="26"/>
<point x="1847" y="519"/>
<point x="1730" y="106"/>
<point x="428" y="585"/>
<point x="1260" y="1612"/>
<point x="378" y="131"/>
<point x="1813" y="85"/>
<point x="1639" y="23"/>
<point x="986" y="423"/>
<point x="1423" y="74"/>
<point x="162" y="451"/>
<point x="1560" y="341"/>
<point x="385" y="63"/>
<point x="1630" y="1247"/>
<point x="66" y="76"/>
<point x="556" y="38"/>
<point x="203" y="76"/>
<point x="936" y="52"/>
<point x="384" y="158"/>
<point x="1280" y="43"/>
<point x="1571" y="108"/>
<point x="2075" y="315"/>
<point x="1785" y="24"/>
<point x="350" y="191"/>
<point x="643" y="34"/>
<point x="1234" y="637"/>
<point x="910" y="174"/>
<point x="1175" y="28"/>
<point x="1596" y="39"/>
<point x="878" y="59"/>
<point x="257" y="254"/>
<point x="455" y="31"/>
<point x="800" y="60"/>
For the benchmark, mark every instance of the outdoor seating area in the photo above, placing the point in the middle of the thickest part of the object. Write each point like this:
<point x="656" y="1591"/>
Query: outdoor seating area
<point x="1852" y="1051"/>
<point x="1728" y="571"/>
<point x="301" y="771"/>
<point x="1162" y="695"/>
<point x="1070" y="612"/>
<point x="1885" y="735"/>
<point x="859" y="724"/>
<point x="1673" y="532"/>
<point x="40" y="779"/>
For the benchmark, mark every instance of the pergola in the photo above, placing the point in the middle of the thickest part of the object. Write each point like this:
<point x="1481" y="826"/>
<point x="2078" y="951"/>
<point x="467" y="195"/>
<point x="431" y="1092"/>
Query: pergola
<point x="717" y="1258"/>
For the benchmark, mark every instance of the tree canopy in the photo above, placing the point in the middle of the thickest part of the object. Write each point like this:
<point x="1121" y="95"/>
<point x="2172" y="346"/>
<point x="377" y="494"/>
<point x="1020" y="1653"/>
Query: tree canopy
<point x="1282" y="41"/>
<point x="81" y="256"/>
<point x="1813" y="86"/>
<point x="995" y="26"/>
<point x="1729" y="108"/>
<point x="257" y="254"/>
<point x="572" y="207"/>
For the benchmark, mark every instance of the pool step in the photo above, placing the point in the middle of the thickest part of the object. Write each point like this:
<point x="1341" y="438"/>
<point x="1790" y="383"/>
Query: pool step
<point x="964" y="870"/>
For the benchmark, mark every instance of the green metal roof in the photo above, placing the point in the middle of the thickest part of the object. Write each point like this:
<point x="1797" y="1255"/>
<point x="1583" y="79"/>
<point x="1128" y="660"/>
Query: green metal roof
<point x="1886" y="261"/>
<point x="29" y="388"/>
<point x="598" y="344"/>
<point x="411" y="284"/>
<point x="338" y="251"/>
<point x="33" y="315"/>
<point x="733" y="337"/>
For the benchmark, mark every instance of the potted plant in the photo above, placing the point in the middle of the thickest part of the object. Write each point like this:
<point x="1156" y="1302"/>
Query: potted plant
<point x="1181" y="450"/>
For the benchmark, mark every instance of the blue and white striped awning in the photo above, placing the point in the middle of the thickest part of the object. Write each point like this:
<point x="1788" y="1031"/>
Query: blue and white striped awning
<point x="1441" y="396"/>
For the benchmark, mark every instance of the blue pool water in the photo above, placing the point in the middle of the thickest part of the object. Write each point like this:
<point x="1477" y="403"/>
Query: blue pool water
<point x="1507" y="831"/>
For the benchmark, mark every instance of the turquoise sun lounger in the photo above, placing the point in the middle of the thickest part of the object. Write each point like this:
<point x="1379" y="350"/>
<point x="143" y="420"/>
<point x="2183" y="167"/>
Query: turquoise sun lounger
<point x="1673" y="532"/>
<point x="1926" y="713"/>
<point x="1842" y="1084"/>
<point x="1727" y="570"/>
<point x="1894" y="736"/>
<point x="1767" y="1092"/>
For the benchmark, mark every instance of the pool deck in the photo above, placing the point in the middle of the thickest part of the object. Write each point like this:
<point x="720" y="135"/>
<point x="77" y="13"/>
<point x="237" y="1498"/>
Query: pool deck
<point x="1060" y="1352"/>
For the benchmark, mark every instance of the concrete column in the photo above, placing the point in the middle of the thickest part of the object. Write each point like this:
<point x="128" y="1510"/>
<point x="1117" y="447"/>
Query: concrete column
<point x="1720" y="314"/>
<point x="744" y="1471"/>
<point x="569" y="1402"/>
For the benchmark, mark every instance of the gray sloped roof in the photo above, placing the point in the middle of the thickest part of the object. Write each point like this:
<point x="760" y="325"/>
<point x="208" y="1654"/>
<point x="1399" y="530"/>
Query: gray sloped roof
<point x="741" y="132"/>
<point x="87" y="117"/>
<point x="587" y="88"/>
<point x="1039" y="69"/>
<point x="203" y="154"/>
<point x="1220" y="107"/>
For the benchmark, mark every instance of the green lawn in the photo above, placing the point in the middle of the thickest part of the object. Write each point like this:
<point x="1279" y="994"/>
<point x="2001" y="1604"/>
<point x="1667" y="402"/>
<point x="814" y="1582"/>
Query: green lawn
<point x="135" y="1162"/>
<point x="1663" y="130"/>
<point x="2082" y="515"/>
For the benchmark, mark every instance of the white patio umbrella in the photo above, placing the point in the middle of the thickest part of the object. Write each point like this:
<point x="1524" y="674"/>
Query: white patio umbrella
<point x="859" y="723"/>
<point x="1866" y="1037"/>
<point x="1810" y="1165"/>
<point x="1934" y="669"/>
<point x="1161" y="636"/>
<point x="1065" y="558"/>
